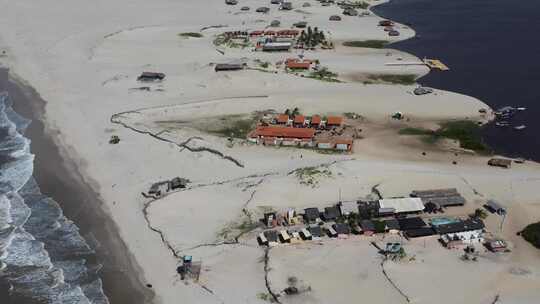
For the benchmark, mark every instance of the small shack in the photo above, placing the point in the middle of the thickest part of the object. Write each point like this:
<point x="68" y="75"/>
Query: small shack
<point x="299" y="120"/>
<point x="392" y="226"/>
<point x="311" y="215"/>
<point x="228" y="67"/>
<point x="277" y="46"/>
<point x="500" y="162"/>
<point x="368" y="227"/>
<point x="315" y="121"/>
<point x="342" y="229"/>
<point x="151" y="76"/>
<point x="334" y="121"/>
<point x="315" y="231"/>
<point x="284" y="236"/>
<point x="440" y="197"/>
<point x="305" y="234"/>
<point x="411" y="223"/>
<point x="347" y="208"/>
<point x="331" y="232"/>
<point x="419" y="232"/>
<point x="268" y="238"/>
<point x="331" y="213"/>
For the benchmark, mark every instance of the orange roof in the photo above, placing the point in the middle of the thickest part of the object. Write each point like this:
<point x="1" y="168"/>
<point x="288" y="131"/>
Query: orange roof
<point x="334" y="120"/>
<point x="299" y="119"/>
<point x="283" y="118"/>
<point x="298" y="65"/>
<point x="315" y="120"/>
<point x="256" y="33"/>
<point x="285" y="132"/>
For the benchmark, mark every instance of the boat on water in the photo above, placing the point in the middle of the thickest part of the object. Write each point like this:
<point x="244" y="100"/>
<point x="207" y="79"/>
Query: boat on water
<point x="521" y="109"/>
<point x="520" y="127"/>
<point x="502" y="123"/>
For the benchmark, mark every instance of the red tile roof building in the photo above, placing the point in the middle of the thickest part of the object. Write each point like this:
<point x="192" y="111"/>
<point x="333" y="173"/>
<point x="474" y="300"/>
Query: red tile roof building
<point x="282" y="119"/>
<point x="334" y="121"/>
<point x="282" y="132"/>
<point x="299" y="119"/>
<point x="315" y="120"/>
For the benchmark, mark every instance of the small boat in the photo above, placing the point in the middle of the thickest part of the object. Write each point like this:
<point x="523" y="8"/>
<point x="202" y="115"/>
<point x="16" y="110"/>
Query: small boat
<point x="502" y="123"/>
<point x="521" y="109"/>
<point x="520" y="127"/>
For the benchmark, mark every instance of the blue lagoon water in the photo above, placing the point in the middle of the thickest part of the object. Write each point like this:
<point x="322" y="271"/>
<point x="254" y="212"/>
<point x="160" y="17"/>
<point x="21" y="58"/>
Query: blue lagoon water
<point x="493" y="50"/>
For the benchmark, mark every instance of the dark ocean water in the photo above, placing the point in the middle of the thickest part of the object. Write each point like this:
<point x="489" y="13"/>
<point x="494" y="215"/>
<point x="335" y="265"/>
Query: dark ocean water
<point x="493" y="50"/>
<point x="43" y="257"/>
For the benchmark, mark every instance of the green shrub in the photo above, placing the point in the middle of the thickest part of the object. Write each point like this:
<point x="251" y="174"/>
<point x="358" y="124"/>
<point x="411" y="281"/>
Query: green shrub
<point x="191" y="35"/>
<point x="374" y="44"/>
<point x="405" y="79"/>
<point x="531" y="234"/>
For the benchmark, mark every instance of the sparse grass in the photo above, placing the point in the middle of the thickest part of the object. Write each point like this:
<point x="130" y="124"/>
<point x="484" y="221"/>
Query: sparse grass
<point x="405" y="79"/>
<point x="466" y="132"/>
<point x="324" y="74"/>
<point x="191" y="35"/>
<point x="234" y="127"/>
<point x="360" y="4"/>
<point x="374" y="44"/>
<point x="235" y="229"/>
<point x="265" y="297"/>
<point x="309" y="176"/>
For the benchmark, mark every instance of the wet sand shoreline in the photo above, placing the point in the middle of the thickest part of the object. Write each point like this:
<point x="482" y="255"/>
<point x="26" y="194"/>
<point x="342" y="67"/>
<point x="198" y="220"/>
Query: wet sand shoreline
<point x="59" y="178"/>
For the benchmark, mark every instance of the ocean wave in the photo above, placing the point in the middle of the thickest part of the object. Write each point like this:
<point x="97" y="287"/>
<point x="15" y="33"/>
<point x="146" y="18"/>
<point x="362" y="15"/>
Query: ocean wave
<point x="43" y="257"/>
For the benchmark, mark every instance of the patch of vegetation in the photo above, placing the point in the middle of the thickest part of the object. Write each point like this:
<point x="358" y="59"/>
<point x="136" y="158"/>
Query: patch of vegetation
<point x="360" y="4"/>
<point x="265" y="296"/>
<point x="380" y="226"/>
<point x="324" y="74"/>
<point x="312" y="37"/>
<point x="480" y="213"/>
<point x="309" y="176"/>
<point x="235" y="229"/>
<point x="374" y="44"/>
<point x="531" y="234"/>
<point x="222" y="39"/>
<point x="234" y="127"/>
<point x="465" y="131"/>
<point x="264" y="65"/>
<point x="191" y="35"/>
<point x="405" y="79"/>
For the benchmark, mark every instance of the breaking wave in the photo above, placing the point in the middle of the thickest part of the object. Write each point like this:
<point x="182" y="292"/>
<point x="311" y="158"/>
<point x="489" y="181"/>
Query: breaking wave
<point x="42" y="255"/>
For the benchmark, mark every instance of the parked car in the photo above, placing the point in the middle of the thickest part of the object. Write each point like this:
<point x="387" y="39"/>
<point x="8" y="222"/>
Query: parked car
<point x="393" y="33"/>
<point x="245" y="8"/>
<point x="231" y="2"/>
<point x="301" y="24"/>
<point x="335" y="18"/>
<point x="263" y="9"/>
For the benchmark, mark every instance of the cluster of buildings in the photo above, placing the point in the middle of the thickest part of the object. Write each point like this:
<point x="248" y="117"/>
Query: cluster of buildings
<point x="301" y="131"/>
<point x="392" y="215"/>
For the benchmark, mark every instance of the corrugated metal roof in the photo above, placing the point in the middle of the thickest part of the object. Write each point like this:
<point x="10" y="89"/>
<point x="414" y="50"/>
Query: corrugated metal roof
<point x="406" y="204"/>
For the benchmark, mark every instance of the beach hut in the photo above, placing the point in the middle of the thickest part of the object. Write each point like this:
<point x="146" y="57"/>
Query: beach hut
<point x="410" y="223"/>
<point x="403" y="205"/>
<point x="220" y="67"/>
<point x="305" y="234"/>
<point x="151" y="76"/>
<point x="331" y="232"/>
<point x="368" y="228"/>
<point x="392" y="226"/>
<point x="277" y="46"/>
<point x="315" y="231"/>
<point x="331" y="213"/>
<point x="334" y="121"/>
<point x="311" y="215"/>
<point x="343" y="230"/>
<point x="315" y="121"/>
<point x="347" y="208"/>
<point x="299" y="120"/>
<point x="419" y="232"/>
<point x="284" y="236"/>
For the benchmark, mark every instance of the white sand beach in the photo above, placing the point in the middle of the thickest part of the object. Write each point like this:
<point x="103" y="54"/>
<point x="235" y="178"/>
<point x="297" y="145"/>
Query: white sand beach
<point x="84" y="57"/>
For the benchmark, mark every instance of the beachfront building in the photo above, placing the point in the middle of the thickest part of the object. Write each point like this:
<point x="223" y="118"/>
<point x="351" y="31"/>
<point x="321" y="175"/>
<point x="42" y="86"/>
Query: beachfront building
<point x="277" y="46"/>
<point x="440" y="197"/>
<point x="315" y="121"/>
<point x="347" y="208"/>
<point x="334" y="121"/>
<point x="312" y="215"/>
<point x="297" y="64"/>
<point x="464" y="232"/>
<point x="287" y="136"/>
<point x="299" y="121"/>
<point x="403" y="205"/>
